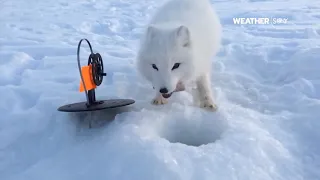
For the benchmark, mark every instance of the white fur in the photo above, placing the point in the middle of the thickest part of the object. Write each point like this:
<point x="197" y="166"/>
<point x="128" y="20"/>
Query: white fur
<point x="186" y="32"/>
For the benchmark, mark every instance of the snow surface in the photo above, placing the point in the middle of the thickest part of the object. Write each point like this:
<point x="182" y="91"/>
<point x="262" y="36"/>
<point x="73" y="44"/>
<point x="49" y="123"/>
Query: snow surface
<point x="266" y="83"/>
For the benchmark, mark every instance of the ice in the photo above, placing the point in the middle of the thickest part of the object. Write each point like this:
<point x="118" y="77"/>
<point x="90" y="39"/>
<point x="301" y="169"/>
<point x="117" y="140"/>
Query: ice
<point x="266" y="83"/>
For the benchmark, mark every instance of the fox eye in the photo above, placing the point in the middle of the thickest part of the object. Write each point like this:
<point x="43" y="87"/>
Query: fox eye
<point x="175" y="66"/>
<point x="154" y="67"/>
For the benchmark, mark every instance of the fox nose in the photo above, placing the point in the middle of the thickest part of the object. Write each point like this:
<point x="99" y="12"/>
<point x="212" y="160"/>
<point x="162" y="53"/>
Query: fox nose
<point x="164" y="90"/>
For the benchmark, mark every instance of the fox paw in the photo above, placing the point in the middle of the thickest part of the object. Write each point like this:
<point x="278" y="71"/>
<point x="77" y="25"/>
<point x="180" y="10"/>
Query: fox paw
<point x="159" y="100"/>
<point x="208" y="105"/>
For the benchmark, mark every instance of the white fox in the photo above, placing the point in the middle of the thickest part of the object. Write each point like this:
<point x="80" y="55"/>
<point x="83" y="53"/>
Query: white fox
<point x="177" y="48"/>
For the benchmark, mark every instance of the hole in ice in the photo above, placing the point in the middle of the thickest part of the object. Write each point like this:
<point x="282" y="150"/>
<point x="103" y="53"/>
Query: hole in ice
<point x="96" y="119"/>
<point x="193" y="129"/>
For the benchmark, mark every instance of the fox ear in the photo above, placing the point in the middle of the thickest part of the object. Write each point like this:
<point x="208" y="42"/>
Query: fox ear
<point x="183" y="36"/>
<point x="151" y="31"/>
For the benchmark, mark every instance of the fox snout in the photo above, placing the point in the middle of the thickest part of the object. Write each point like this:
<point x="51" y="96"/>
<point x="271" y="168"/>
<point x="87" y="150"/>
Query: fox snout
<point x="163" y="90"/>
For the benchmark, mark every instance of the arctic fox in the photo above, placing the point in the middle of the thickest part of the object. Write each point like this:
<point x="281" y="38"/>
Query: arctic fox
<point x="177" y="48"/>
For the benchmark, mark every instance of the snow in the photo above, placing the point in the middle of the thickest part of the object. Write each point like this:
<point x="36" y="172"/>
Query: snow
<point x="266" y="83"/>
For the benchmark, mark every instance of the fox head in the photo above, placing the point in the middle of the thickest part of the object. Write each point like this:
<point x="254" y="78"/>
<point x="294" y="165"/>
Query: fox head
<point x="165" y="57"/>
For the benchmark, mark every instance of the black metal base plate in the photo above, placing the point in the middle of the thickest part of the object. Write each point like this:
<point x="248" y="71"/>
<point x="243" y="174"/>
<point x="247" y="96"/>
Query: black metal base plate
<point x="103" y="104"/>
